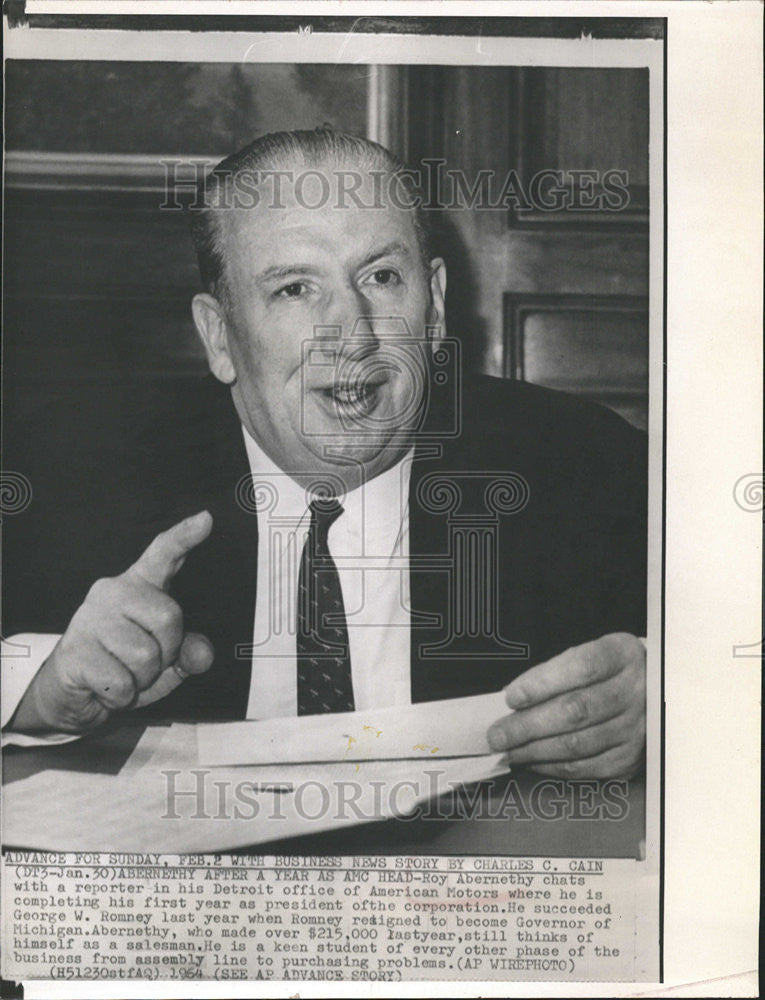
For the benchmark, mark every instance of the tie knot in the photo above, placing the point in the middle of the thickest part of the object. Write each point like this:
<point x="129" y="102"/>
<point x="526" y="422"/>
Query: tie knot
<point x="324" y="512"/>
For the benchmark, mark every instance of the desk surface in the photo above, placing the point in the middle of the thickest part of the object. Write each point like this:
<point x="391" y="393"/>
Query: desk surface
<point x="516" y="814"/>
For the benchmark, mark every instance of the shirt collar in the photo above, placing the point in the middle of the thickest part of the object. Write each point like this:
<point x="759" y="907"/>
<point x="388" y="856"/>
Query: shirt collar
<point x="373" y="513"/>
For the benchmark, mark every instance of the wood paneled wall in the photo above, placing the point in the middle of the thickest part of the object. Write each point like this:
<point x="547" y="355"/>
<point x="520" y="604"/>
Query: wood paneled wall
<point x="503" y="263"/>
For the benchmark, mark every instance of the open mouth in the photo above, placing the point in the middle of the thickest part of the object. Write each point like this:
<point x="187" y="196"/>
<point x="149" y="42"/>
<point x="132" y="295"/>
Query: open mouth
<point x="351" y="398"/>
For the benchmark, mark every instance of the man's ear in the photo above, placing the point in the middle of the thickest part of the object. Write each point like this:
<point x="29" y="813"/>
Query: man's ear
<point x="437" y="310"/>
<point x="212" y="327"/>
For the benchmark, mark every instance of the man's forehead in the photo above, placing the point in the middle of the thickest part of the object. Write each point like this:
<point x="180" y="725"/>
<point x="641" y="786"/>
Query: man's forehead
<point x="305" y="180"/>
<point x="300" y="203"/>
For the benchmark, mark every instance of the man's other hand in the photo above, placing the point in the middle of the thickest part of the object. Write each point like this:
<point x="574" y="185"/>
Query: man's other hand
<point x="580" y="714"/>
<point x="124" y="647"/>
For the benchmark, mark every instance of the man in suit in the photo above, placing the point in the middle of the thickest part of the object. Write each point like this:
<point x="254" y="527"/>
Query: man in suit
<point x="425" y="536"/>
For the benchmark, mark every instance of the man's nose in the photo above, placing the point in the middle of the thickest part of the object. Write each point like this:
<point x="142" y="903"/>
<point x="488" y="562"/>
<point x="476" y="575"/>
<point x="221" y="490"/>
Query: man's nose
<point x="351" y="319"/>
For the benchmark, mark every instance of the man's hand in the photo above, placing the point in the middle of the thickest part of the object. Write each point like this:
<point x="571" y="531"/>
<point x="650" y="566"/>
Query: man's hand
<point x="580" y="714"/>
<point x="125" y="645"/>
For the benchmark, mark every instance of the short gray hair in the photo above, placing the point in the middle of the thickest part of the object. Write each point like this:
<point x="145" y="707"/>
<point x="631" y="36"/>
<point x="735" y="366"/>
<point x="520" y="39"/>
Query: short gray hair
<point x="314" y="146"/>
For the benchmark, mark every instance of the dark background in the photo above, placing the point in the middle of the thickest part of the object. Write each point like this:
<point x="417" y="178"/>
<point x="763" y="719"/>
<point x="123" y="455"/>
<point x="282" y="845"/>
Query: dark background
<point x="98" y="280"/>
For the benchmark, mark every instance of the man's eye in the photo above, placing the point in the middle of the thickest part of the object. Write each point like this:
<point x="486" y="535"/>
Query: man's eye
<point x="292" y="291"/>
<point x="385" y="276"/>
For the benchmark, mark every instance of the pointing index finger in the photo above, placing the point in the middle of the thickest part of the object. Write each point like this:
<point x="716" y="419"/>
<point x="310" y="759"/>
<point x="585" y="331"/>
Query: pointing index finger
<point x="165" y="555"/>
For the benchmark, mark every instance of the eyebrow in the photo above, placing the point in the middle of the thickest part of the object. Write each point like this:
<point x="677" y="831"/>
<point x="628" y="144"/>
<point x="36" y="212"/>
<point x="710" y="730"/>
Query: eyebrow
<point x="285" y="271"/>
<point x="394" y="247"/>
<point x="280" y="271"/>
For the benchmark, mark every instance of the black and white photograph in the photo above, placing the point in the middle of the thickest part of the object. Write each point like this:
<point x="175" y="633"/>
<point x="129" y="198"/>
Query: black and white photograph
<point x="334" y="497"/>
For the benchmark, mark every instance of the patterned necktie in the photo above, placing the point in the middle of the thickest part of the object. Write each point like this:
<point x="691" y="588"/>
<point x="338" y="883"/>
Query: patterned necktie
<point x="323" y="654"/>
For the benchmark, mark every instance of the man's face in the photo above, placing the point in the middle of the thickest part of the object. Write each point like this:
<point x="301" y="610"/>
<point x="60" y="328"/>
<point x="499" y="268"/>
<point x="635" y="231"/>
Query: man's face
<point x="323" y="342"/>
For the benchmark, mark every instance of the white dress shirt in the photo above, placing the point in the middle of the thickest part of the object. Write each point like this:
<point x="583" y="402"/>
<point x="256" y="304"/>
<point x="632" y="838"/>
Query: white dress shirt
<point x="369" y="543"/>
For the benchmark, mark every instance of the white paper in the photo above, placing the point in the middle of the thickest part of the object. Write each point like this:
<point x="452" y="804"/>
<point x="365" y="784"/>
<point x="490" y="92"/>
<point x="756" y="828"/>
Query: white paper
<point x="136" y="811"/>
<point x="454" y="727"/>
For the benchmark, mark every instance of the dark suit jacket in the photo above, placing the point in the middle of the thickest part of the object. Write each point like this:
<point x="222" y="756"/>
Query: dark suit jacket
<point x="559" y="555"/>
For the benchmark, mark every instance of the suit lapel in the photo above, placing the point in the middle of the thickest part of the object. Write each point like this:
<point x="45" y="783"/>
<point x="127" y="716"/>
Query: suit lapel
<point x="217" y="586"/>
<point x="428" y="585"/>
<point x="448" y="659"/>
